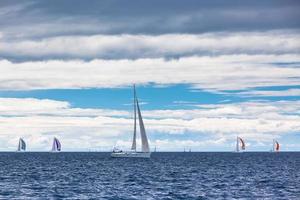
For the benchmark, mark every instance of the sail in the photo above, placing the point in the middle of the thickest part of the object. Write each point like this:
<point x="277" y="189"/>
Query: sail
<point x="56" y="146"/>
<point x="22" y="145"/>
<point x="145" y="145"/>
<point x="133" y="146"/>
<point x="242" y="143"/>
<point x="277" y="146"/>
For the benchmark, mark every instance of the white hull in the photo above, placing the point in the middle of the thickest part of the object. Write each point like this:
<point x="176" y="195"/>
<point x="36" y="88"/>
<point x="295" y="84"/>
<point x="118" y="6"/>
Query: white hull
<point x="131" y="154"/>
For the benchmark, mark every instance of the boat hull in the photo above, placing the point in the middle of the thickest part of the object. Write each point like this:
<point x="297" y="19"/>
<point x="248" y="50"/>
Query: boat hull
<point x="131" y="154"/>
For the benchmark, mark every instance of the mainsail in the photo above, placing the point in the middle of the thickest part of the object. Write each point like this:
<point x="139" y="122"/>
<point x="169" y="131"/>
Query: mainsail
<point x="144" y="139"/>
<point x="133" y="147"/>
<point x="22" y="145"/>
<point x="56" y="146"/>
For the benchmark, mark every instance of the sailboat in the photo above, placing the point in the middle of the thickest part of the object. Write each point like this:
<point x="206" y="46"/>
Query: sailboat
<point x="240" y="145"/>
<point x="21" y="145"/>
<point x="145" y="152"/>
<point x="56" y="146"/>
<point x="276" y="146"/>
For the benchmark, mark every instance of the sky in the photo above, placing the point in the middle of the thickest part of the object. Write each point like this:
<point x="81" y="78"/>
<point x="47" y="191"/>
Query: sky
<point x="205" y="71"/>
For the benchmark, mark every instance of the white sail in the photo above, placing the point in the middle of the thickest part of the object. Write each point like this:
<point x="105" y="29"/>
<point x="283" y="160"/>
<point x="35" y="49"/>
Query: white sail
<point x="133" y="147"/>
<point x="56" y="146"/>
<point x="22" y="145"/>
<point x="145" y="144"/>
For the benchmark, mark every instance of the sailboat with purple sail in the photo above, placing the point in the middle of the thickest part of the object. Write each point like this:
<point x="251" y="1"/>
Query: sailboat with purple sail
<point x="145" y="150"/>
<point x="56" y="146"/>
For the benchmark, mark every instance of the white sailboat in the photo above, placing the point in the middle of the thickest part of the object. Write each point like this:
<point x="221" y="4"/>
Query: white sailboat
<point x="240" y="145"/>
<point x="145" y="152"/>
<point x="276" y="146"/>
<point x="21" y="145"/>
<point x="56" y="146"/>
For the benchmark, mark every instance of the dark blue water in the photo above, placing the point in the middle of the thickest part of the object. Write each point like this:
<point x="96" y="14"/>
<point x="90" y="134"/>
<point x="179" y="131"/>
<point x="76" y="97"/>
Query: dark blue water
<point x="164" y="176"/>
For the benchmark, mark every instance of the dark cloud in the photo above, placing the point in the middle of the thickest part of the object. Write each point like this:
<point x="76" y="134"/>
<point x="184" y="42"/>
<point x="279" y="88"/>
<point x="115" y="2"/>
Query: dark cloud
<point x="55" y="17"/>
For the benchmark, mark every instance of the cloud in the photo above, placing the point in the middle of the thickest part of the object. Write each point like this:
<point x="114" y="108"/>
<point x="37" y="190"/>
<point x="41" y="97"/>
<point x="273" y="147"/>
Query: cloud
<point x="213" y="125"/>
<point x="46" y="107"/>
<point x="232" y="72"/>
<point x="147" y="46"/>
<point x="113" y="17"/>
<point x="10" y="10"/>
<point x="271" y="93"/>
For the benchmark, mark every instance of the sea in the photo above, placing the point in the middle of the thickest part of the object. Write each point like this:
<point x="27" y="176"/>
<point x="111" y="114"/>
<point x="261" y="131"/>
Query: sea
<point x="190" y="175"/>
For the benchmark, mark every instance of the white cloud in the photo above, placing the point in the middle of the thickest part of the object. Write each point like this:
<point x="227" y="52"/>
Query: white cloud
<point x="31" y="106"/>
<point x="211" y="73"/>
<point x="257" y="122"/>
<point x="271" y="93"/>
<point x="148" y="46"/>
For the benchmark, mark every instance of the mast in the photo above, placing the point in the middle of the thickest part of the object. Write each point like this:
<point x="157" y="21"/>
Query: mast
<point x="133" y="147"/>
<point x="273" y="146"/>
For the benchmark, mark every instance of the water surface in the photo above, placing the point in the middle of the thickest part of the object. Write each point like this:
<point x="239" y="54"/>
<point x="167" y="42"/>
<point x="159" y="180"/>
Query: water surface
<point x="164" y="176"/>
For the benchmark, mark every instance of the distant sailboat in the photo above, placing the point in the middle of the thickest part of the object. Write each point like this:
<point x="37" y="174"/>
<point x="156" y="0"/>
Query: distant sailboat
<point x="21" y="145"/>
<point x="56" y="146"/>
<point x="145" y="153"/>
<point x="240" y="144"/>
<point x="276" y="146"/>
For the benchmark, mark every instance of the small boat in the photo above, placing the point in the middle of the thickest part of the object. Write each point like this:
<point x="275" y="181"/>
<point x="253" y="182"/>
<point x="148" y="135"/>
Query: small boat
<point x="145" y="152"/>
<point x="21" y="145"/>
<point x="56" y="146"/>
<point x="240" y="145"/>
<point x="276" y="146"/>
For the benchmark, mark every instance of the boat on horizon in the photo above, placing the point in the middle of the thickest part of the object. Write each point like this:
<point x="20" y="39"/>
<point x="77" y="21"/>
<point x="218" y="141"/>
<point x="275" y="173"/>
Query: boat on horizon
<point x="56" y="146"/>
<point x="276" y="146"/>
<point x="240" y="145"/>
<point x="145" y="150"/>
<point x="21" y="145"/>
